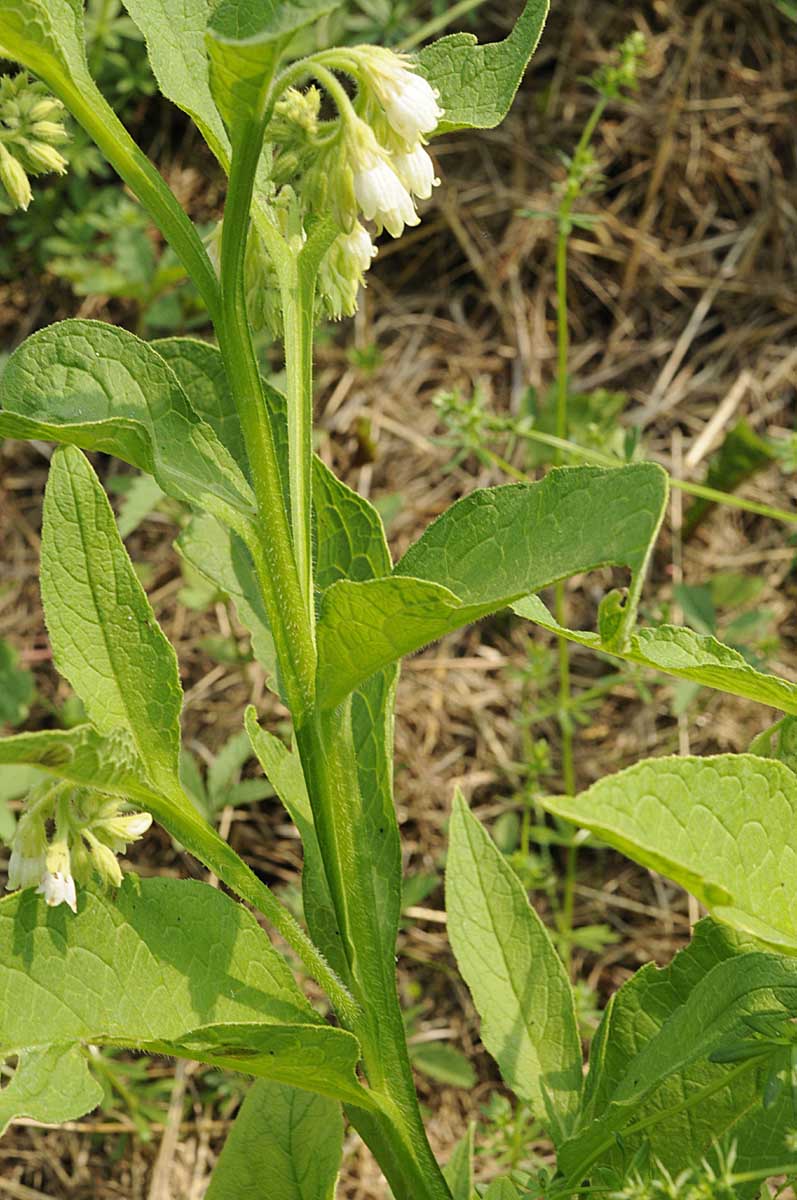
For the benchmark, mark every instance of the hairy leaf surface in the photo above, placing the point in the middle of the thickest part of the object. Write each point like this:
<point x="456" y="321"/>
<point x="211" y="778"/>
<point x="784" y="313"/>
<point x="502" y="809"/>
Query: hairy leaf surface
<point x="104" y="635"/>
<point x="724" y="827"/>
<point x="672" y="1065"/>
<point x="175" y="38"/>
<point x="222" y="558"/>
<point x="487" y="551"/>
<point x="515" y="976"/>
<point x="291" y="1138"/>
<point x="477" y="84"/>
<point x="171" y="966"/>
<point x="46" y="36"/>
<point x="98" y="387"/>
<point x="680" y="652"/>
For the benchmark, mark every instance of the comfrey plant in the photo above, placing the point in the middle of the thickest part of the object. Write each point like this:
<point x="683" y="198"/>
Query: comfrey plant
<point x="692" y="1073"/>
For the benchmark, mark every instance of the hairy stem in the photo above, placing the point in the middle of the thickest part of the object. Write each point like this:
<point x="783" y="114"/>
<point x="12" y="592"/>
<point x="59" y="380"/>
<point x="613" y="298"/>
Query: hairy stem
<point x="286" y="603"/>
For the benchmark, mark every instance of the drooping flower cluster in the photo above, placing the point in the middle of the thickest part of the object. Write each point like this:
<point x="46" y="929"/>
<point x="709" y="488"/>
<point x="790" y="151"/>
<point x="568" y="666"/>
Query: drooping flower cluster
<point x="67" y="834"/>
<point x="31" y="126"/>
<point x="366" y="166"/>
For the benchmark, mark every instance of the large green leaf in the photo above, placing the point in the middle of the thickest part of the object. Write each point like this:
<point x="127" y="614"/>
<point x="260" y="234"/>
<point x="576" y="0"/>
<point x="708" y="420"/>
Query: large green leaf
<point x="175" y="37"/>
<point x="46" y="36"/>
<point x="680" y="1136"/>
<point x="725" y="828"/>
<point x="51" y="1085"/>
<point x="174" y="967"/>
<point x="104" y="635"/>
<point x="517" y="980"/>
<point x="486" y="552"/>
<point x="200" y="369"/>
<point x="477" y="84"/>
<point x="292" y="1139"/>
<point x="673" y="1065"/>
<point x="99" y="387"/>
<point x="681" y="652"/>
<point x="245" y="41"/>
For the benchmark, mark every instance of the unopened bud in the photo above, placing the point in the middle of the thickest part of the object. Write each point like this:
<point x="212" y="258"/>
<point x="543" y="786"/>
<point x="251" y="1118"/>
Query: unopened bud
<point x="49" y="131"/>
<point x="46" y="158"/>
<point x="14" y="180"/>
<point x="45" y="109"/>
<point x="106" y="864"/>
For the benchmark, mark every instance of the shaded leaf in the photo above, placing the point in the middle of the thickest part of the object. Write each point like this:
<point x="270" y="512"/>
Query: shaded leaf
<point x="51" y="1085"/>
<point x="458" y="1171"/>
<point x="291" y="1138"/>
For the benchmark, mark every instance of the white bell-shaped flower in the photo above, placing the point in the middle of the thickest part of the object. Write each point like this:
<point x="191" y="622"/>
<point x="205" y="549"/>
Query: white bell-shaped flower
<point x="415" y="169"/>
<point x="58" y="888"/>
<point x="409" y="101"/>
<point x="378" y="190"/>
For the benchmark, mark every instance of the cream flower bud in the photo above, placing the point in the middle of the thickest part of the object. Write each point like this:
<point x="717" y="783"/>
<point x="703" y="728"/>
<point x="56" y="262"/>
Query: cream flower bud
<point x="45" y="109"/>
<point x="49" y="131"/>
<point x="58" y="888"/>
<point x="106" y="864"/>
<point x="415" y="169"/>
<point x="45" y="158"/>
<point x="14" y="180"/>
<point x="409" y="101"/>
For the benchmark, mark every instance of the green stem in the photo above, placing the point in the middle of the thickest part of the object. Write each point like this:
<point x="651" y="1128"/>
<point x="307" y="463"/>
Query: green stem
<point x="285" y="601"/>
<point x="102" y="124"/>
<point x="297" y="312"/>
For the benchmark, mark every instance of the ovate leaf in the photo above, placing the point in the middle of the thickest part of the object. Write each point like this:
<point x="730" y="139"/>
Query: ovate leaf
<point x="50" y="1085"/>
<point x="98" y="387"/>
<point x="104" y="635"/>
<point x="486" y="552"/>
<point x="291" y="1138"/>
<point x="477" y="84"/>
<point x="517" y="980"/>
<point x="678" y="651"/>
<point x="725" y="828"/>
<point x="175" y="967"/>
<point x="17" y="687"/>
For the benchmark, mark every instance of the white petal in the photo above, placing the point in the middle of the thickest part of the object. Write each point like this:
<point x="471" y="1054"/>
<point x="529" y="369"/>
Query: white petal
<point x="58" y="889"/>
<point x="383" y="197"/>
<point x="416" y="172"/>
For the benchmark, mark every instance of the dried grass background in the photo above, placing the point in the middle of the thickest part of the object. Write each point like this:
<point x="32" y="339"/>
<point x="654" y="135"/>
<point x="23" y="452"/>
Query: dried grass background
<point x="684" y="295"/>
